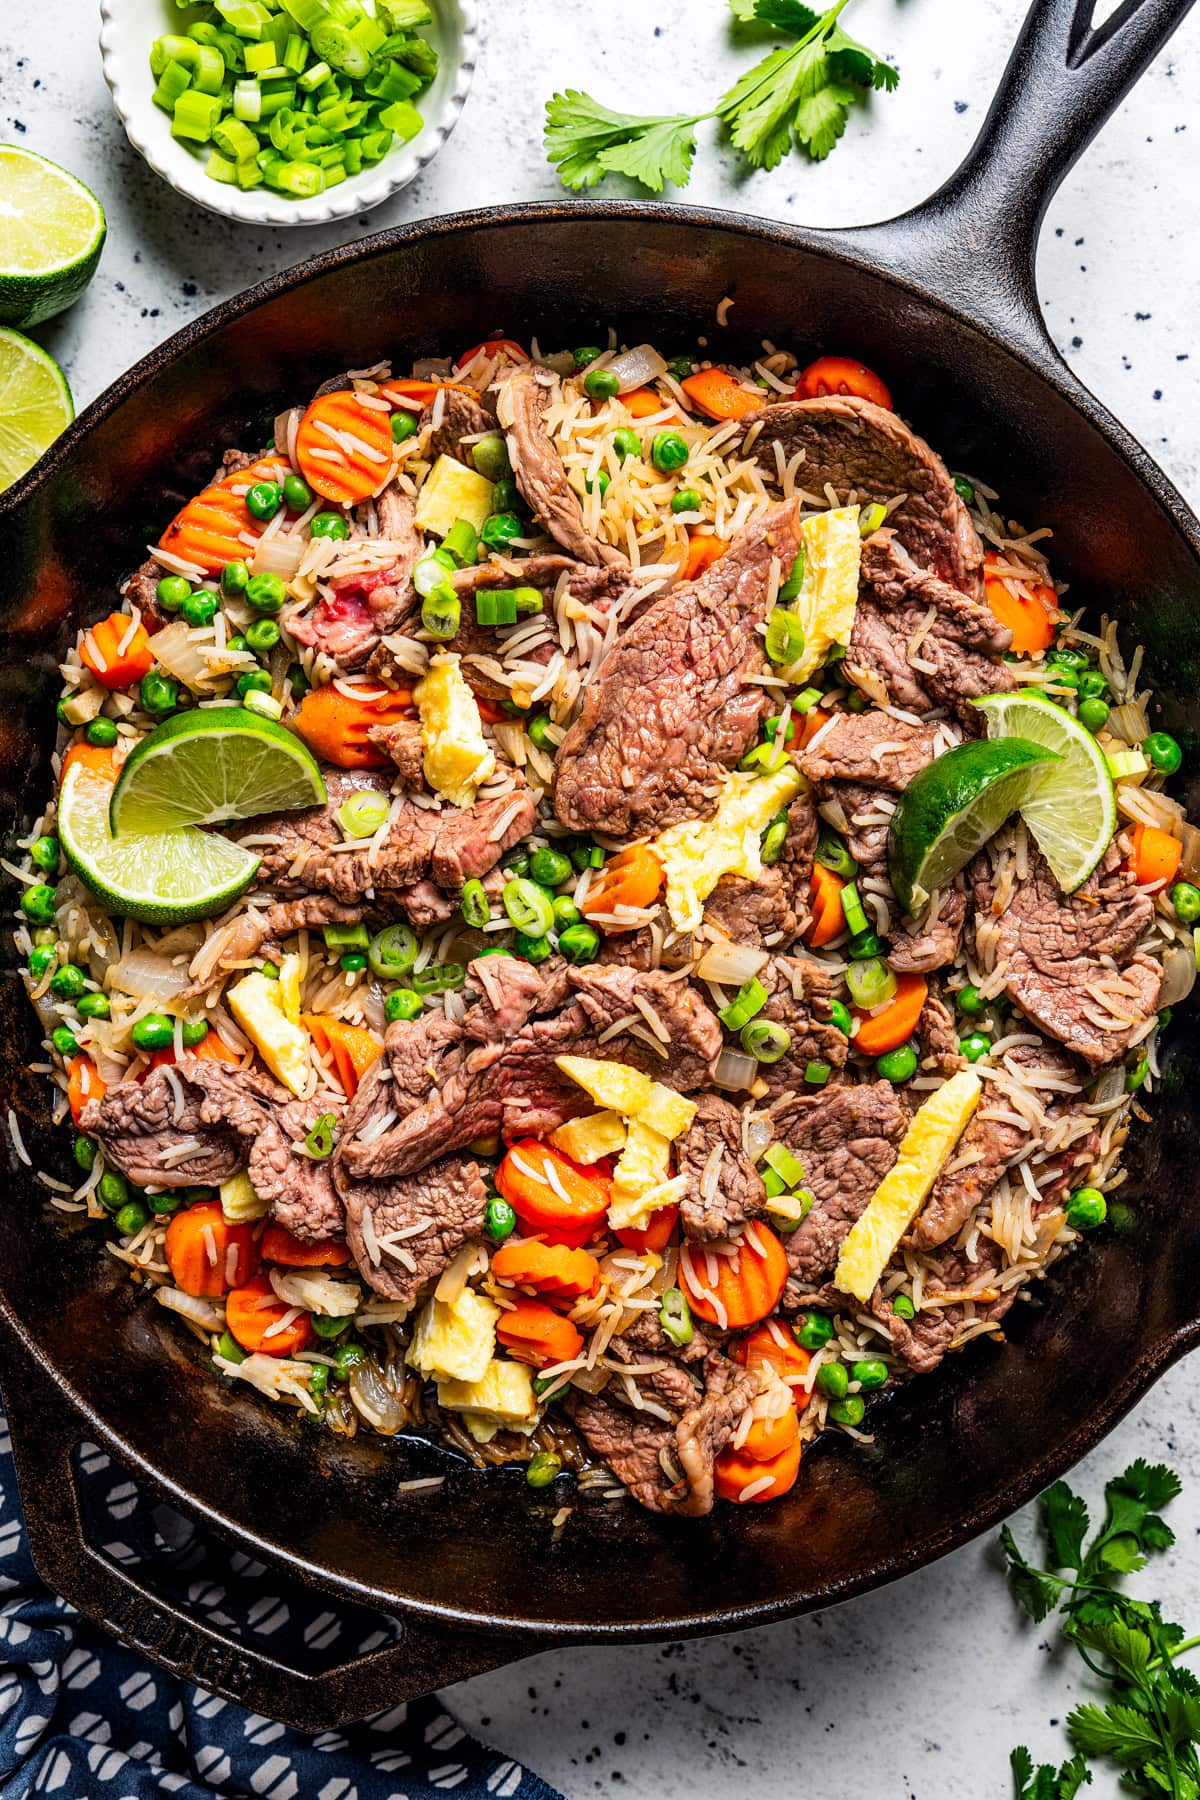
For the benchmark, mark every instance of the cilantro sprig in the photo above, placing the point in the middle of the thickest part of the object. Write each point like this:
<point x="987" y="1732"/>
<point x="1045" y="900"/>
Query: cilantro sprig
<point x="800" y="93"/>
<point x="1150" y="1723"/>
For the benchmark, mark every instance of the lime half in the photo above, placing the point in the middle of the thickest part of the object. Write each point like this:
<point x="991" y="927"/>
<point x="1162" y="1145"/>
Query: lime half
<point x="205" y="767"/>
<point x="161" y="877"/>
<point x="35" y="404"/>
<point x="951" y="809"/>
<point x="1072" y="813"/>
<point x="51" y="235"/>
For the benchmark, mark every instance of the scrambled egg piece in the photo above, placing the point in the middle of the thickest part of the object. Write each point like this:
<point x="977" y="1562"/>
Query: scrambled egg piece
<point x="696" y="853"/>
<point x="587" y="1140"/>
<point x="936" y="1127"/>
<point x="452" y="491"/>
<point x="289" y="988"/>
<point x="628" y="1092"/>
<point x="642" y="1179"/>
<point x="239" y="1202"/>
<point x="457" y="756"/>
<point x="258" y="1005"/>
<point x="829" y="593"/>
<point x="501" y="1398"/>
<point x="455" y="1340"/>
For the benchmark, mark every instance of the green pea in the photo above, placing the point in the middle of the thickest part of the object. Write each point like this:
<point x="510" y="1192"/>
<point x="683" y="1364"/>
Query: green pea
<point x="538" y="729"/>
<point x="903" y="1307"/>
<point x="257" y="680"/>
<point x="266" y="593"/>
<point x="43" y="854"/>
<point x="297" y="494"/>
<point x="1185" y="898"/>
<point x="566" y="912"/>
<point x="38" y="903"/>
<point x="159" y="694"/>
<point x="898" y="1066"/>
<point x="402" y="1003"/>
<point x="866" y="945"/>
<point x="64" y="1040"/>
<point x="499" y="529"/>
<point x="67" y="983"/>
<point x="971" y="1001"/>
<point x="680" y="367"/>
<point x="264" y="499"/>
<point x="84" y="1152"/>
<point x="685" y="500"/>
<point x="587" y="354"/>
<point x="164" y="1206"/>
<point x="1086" y="1209"/>
<point x="353" y="962"/>
<point x="549" y="868"/>
<point x="499" y="1219"/>
<point x="871" y="1373"/>
<point x="602" y="482"/>
<point x="626" y="443"/>
<point x="330" y="1328"/>
<point x="1135" y="1076"/>
<point x="1162" y="751"/>
<point x="332" y="524"/>
<point x="235" y="579"/>
<point x="833" y="1380"/>
<point x="228" y="1348"/>
<point x="964" y="489"/>
<point x="601" y="384"/>
<point x="669" y="451"/>
<point x="579" y="943"/>
<point x="153" y="1032"/>
<point x="813" y="1330"/>
<point x="112" y="1191"/>
<point x="199" y="609"/>
<point x="533" y="949"/>
<point x="848" y="1411"/>
<point x="131" y="1218"/>
<point x="171" y="592"/>
<point x="1064" y="677"/>
<point x="262" y="635"/>
<point x="93" y="1006"/>
<point x="102" y="733"/>
<point x="840" y="1016"/>
<point x="490" y="456"/>
<point x="1093" y="714"/>
<point x="506" y="495"/>
<point x="41" y="958"/>
<point x="1092" y="685"/>
<point x="543" y="1468"/>
<point x="270" y="970"/>
<point x="404" y="426"/>
<point x="298" y="681"/>
<point x="975" y="1045"/>
<point x="347" y="1357"/>
<point x="1069" y="656"/>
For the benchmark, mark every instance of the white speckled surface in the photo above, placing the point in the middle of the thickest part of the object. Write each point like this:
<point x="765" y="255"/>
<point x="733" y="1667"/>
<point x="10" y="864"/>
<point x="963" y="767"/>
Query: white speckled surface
<point x="922" y="1689"/>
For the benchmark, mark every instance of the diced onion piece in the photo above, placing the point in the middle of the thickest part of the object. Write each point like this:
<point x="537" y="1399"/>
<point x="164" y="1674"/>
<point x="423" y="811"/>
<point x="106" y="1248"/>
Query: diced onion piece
<point x="1189" y="862"/>
<point x="375" y="1400"/>
<point x="279" y="555"/>
<point x="1179" y="975"/>
<point x="734" y="1070"/>
<point x="283" y="425"/>
<point x="561" y="361"/>
<point x="454" y="1275"/>
<point x="316" y="1291"/>
<point x="145" y="972"/>
<point x="184" y="656"/>
<point x="205" y="1313"/>
<point x="759" y="1135"/>
<point x="1109" y="1084"/>
<point x="637" y="367"/>
<point x="731" y="965"/>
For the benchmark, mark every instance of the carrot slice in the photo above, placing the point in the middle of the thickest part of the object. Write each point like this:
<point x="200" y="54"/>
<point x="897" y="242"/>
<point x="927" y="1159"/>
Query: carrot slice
<point x="734" y="1472"/>
<point x="704" y="549"/>
<point x="535" y="1333"/>
<point x="894" y="1023"/>
<point x="828" y="918"/>
<point x="771" y="1346"/>
<point x="344" y="448"/>
<point x="810" y="724"/>
<point x="654" y="1236"/>
<point x="641" y="403"/>
<point x="214" y="528"/>
<point x="408" y="387"/>
<point x="512" y="350"/>
<point x="278" y="1245"/>
<point x="632" y="877"/>
<point x="99" y="762"/>
<point x="83" y="1084"/>
<point x="738" y="1289"/>
<point x="842" y="375"/>
<point x="352" y="1048"/>
<point x="716" y="393"/>
<point x="206" y="1255"/>
<point x="259" y="1320"/>
<point x="1029" y="615"/>
<point x="335" y="727"/>
<point x="550" y="1269"/>
<point x="117" y="651"/>
<point x="770" y="1435"/>
<point x="551" y="1195"/>
<point x="1156" y="854"/>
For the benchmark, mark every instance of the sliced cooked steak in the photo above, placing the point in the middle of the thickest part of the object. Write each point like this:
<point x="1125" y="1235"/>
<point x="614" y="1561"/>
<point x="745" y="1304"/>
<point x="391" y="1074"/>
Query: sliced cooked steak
<point x="929" y="644"/>
<point x="405" y="744"/>
<point x="930" y="942"/>
<point x="644" y="1335"/>
<point x="853" y="446"/>
<point x="801" y="992"/>
<point x="724" y="1187"/>
<point x="660" y="1380"/>
<point x="264" y="923"/>
<point x="674" y="704"/>
<point x="462" y="416"/>
<point x="924" y="1340"/>
<point x="777" y="908"/>
<point x="939" y="1034"/>
<point x="632" y="1444"/>
<point x="539" y="470"/>
<point x="298" y="1187"/>
<point x="994" y="1137"/>
<point x="685" y="1054"/>
<point x="1067" y="958"/>
<point x="703" y="1433"/>
<point x="872" y="748"/>
<point x="190" y="1124"/>
<point x="349" y="624"/>
<point x="447" y="1200"/>
<point x="141" y="588"/>
<point x="847" y="1139"/>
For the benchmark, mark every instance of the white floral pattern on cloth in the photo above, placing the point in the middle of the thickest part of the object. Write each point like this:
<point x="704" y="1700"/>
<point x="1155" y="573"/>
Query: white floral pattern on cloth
<point x="83" y="1718"/>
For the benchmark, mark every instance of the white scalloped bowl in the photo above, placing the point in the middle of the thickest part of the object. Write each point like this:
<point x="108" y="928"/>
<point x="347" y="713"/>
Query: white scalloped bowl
<point x="129" y="27"/>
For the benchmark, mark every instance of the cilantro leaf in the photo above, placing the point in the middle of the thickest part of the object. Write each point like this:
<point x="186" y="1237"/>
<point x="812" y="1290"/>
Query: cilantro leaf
<point x="1021" y="1764"/>
<point x="587" y="141"/>
<point x="663" y="151"/>
<point x="1116" y="1730"/>
<point x="1065" y="1524"/>
<point x="1037" y="1592"/>
<point x="1046" y="1782"/>
<point x="791" y="16"/>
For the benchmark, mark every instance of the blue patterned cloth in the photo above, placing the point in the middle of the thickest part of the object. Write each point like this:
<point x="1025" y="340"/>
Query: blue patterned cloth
<point x="85" y="1719"/>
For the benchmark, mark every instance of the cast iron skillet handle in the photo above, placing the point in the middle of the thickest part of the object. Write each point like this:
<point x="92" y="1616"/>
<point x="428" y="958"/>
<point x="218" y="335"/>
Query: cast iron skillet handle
<point x="45" y="1432"/>
<point x="974" y="241"/>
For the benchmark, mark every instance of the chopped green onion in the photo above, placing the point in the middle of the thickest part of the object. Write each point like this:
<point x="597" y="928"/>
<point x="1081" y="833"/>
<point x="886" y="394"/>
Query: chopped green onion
<point x="441" y="611"/>
<point x="764" y="759"/>
<point x="675" y="1317"/>
<point x="529" y="906"/>
<point x="392" y="952"/>
<point x="791" y="588"/>
<point x="766" y="1041"/>
<point x="785" y="636"/>
<point x="435" y="978"/>
<point x="831" y="853"/>
<point x="461" y="542"/>
<point x="785" y="1164"/>
<point x="346" y="937"/>
<point x="806" y="699"/>
<point x="361" y="814"/>
<point x="195" y="115"/>
<point x="871" y="518"/>
<point x="474" y="904"/>
<point x="495" y="606"/>
<point x="852" y="910"/>
<point x="318" y="1140"/>
<point x="746" y="1004"/>
<point x="529" y="600"/>
<point x="817" y="1073"/>
<point x="774" y="838"/>
<point x="871" y="983"/>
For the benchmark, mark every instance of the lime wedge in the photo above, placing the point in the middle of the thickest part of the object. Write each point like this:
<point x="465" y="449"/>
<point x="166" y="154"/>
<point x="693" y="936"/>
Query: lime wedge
<point x="162" y="877"/>
<point x="951" y="809"/>
<point x="51" y="235"/>
<point x="1073" y="812"/>
<point x="35" y="404"/>
<point x="218" y="763"/>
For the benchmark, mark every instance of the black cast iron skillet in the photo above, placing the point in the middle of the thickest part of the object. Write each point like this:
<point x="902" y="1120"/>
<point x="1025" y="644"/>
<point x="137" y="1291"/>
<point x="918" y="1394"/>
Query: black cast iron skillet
<point x="942" y="302"/>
